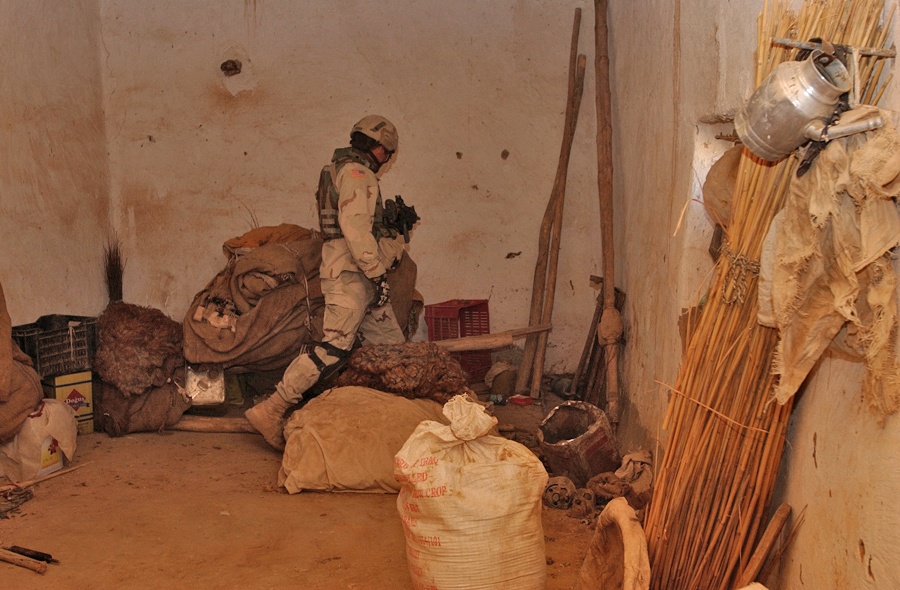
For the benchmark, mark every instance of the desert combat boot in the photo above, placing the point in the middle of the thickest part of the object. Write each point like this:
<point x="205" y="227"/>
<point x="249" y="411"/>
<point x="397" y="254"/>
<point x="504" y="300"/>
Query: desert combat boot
<point x="267" y="418"/>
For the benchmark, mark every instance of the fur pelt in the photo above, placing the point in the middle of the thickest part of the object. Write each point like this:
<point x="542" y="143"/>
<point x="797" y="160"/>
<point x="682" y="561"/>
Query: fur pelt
<point x="139" y="348"/>
<point x="410" y="369"/>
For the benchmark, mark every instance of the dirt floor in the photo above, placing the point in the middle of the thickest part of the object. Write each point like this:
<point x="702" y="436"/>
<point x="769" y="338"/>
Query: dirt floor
<point x="201" y="510"/>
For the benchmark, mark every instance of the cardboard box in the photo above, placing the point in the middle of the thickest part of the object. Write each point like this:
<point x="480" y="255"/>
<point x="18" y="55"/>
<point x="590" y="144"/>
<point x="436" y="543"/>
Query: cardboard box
<point x="76" y="389"/>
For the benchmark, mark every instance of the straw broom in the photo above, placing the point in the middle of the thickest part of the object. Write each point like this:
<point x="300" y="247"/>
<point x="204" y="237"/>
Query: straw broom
<point x="726" y="436"/>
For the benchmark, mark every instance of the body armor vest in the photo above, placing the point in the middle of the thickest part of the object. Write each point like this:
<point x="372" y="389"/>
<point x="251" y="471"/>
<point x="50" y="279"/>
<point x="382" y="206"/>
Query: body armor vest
<point x="327" y="196"/>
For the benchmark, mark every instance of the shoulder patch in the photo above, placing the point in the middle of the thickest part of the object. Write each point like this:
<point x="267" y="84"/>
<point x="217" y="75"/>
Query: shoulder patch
<point x="357" y="173"/>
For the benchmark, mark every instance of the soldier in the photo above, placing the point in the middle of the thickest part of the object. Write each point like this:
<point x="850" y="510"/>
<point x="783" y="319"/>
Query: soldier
<point x="356" y="255"/>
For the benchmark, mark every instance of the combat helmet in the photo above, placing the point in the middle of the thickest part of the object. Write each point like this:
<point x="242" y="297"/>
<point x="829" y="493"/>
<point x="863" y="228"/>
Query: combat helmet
<point x="379" y="129"/>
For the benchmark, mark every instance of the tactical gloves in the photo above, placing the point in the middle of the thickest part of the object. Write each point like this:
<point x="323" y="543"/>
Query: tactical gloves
<point x="382" y="291"/>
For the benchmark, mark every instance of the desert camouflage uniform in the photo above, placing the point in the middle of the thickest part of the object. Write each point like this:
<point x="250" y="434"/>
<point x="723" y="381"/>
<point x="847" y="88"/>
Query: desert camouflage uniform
<point x="348" y="264"/>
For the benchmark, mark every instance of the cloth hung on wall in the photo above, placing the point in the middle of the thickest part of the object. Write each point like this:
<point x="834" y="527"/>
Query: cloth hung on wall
<point x="827" y="273"/>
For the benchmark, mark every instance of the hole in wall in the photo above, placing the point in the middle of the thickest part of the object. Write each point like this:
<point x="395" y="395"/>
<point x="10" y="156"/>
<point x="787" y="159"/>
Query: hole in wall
<point x="231" y="67"/>
<point x="237" y="70"/>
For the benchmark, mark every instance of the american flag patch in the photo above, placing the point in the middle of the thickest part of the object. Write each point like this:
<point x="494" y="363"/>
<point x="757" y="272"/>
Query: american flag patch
<point x="355" y="173"/>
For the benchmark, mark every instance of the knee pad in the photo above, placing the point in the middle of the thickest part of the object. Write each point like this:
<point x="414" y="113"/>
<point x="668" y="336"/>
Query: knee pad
<point x="328" y="369"/>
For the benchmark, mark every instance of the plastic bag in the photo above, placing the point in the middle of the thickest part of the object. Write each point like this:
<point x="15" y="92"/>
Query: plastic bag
<point x="46" y="436"/>
<point x="470" y="505"/>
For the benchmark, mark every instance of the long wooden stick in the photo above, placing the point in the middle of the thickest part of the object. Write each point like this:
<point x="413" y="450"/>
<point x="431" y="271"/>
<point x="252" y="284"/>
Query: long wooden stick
<point x="588" y="350"/>
<point x="559" y="189"/>
<point x="33" y="482"/>
<point x="605" y="190"/>
<point x="539" y="283"/>
<point x="490" y="341"/>
<point x="765" y="546"/>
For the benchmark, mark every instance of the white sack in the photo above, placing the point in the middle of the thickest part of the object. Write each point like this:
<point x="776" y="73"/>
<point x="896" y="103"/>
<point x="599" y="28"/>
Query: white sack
<point x="470" y="504"/>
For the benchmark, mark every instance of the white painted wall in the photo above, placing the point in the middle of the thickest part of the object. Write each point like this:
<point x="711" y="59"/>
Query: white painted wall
<point x="53" y="179"/>
<point x="193" y="158"/>
<point x="676" y="68"/>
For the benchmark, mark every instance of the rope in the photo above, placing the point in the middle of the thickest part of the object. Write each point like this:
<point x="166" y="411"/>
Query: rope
<point x="72" y="326"/>
<point x="735" y="285"/>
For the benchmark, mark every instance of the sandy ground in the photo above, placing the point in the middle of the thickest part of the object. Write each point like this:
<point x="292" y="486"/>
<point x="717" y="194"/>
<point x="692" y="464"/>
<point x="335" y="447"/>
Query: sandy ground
<point x="200" y="510"/>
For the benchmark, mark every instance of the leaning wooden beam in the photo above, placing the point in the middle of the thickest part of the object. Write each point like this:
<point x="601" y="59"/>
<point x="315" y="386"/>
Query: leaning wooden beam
<point x="573" y="105"/>
<point x="765" y="546"/>
<point x="490" y="341"/>
<point x="609" y="331"/>
<point x="211" y="424"/>
<point x="552" y="219"/>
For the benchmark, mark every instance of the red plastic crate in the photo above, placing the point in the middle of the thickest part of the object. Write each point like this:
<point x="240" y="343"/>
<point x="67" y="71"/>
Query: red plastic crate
<point x="458" y="318"/>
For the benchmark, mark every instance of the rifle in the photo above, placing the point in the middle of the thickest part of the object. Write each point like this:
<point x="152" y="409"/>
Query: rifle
<point x="399" y="216"/>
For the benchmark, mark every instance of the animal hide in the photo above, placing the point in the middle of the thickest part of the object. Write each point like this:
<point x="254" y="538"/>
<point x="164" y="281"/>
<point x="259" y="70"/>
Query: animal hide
<point x="411" y="369"/>
<point x="138" y="348"/>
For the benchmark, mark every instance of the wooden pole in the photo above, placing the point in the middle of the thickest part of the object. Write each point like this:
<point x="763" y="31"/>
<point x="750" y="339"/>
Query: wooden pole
<point x="588" y="351"/>
<point x="209" y="424"/>
<point x="609" y="330"/>
<point x="765" y="546"/>
<point x="559" y="190"/>
<point x="32" y="482"/>
<point x="490" y="341"/>
<point x="539" y="283"/>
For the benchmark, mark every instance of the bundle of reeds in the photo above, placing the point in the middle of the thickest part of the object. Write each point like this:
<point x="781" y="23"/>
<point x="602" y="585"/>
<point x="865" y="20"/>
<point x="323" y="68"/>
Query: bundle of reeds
<point x="726" y="435"/>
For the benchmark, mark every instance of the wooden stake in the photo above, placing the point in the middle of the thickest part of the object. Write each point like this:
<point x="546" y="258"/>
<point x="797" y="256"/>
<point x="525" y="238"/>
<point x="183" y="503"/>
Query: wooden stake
<point x="559" y="189"/>
<point x="34" y="482"/>
<point x="490" y="341"/>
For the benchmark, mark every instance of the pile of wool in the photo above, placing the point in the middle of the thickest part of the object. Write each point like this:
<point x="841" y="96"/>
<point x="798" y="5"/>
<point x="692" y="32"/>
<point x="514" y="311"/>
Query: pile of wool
<point x="411" y="369"/>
